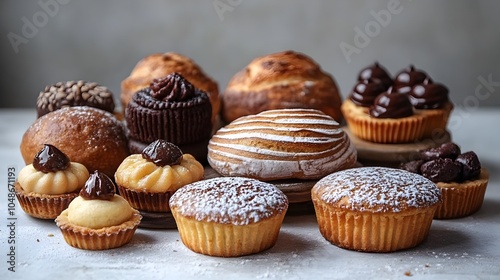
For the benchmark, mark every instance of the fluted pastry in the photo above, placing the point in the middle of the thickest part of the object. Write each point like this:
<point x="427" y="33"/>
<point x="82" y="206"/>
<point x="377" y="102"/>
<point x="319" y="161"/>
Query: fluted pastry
<point x="281" y="144"/>
<point x="280" y="80"/>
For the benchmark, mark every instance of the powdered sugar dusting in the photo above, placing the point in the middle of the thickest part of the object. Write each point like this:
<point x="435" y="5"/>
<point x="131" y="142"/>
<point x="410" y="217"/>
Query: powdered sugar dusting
<point x="229" y="200"/>
<point x="377" y="189"/>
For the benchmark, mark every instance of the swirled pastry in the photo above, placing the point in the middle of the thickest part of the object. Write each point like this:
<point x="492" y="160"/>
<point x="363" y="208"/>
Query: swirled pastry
<point x="281" y="144"/>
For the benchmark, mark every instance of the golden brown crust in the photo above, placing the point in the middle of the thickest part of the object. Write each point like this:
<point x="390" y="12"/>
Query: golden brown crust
<point x="159" y="65"/>
<point x="280" y="80"/>
<point x="92" y="137"/>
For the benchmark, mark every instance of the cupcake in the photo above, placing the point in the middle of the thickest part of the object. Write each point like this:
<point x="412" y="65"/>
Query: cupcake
<point x="375" y="209"/>
<point x="147" y="180"/>
<point x="390" y="119"/>
<point x="229" y="216"/>
<point x="172" y="109"/>
<point x="74" y="93"/>
<point x="46" y="187"/>
<point x="98" y="219"/>
<point x="459" y="175"/>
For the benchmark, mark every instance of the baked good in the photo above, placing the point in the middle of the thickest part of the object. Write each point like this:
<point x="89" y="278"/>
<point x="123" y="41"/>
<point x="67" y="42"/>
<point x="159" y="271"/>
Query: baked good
<point x="159" y="65"/>
<point x="375" y="209"/>
<point x="47" y="186"/>
<point x="74" y="93"/>
<point x="98" y="219"/>
<point x="390" y="119"/>
<point x="229" y="216"/>
<point x="280" y="80"/>
<point x="147" y="180"/>
<point x="460" y="177"/>
<point x="172" y="109"/>
<point x="90" y="136"/>
<point x="280" y="144"/>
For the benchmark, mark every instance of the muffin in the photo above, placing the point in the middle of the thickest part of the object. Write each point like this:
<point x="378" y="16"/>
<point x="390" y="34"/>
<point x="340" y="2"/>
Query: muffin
<point x="172" y="109"/>
<point x="460" y="177"/>
<point x="45" y="187"/>
<point x="375" y="209"/>
<point x="159" y="65"/>
<point x="283" y="80"/>
<point x="229" y="216"/>
<point x="147" y="180"/>
<point x="390" y="119"/>
<point x="98" y="219"/>
<point x="87" y="135"/>
<point x="74" y="93"/>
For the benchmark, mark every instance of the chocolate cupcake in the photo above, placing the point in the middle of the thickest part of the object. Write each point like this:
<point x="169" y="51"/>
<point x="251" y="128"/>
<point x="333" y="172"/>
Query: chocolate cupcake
<point x="74" y="93"/>
<point x="172" y="109"/>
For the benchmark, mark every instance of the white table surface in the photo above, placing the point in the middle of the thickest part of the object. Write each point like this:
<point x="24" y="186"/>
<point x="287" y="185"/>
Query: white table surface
<point x="467" y="248"/>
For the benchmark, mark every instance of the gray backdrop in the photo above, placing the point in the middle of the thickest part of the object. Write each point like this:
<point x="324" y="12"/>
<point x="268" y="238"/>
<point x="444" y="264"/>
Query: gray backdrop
<point x="46" y="41"/>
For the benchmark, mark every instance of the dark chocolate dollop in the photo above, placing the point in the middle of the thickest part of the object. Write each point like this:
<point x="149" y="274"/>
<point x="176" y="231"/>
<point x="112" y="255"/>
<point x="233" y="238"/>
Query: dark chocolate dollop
<point x="365" y="92"/>
<point x="446" y="150"/>
<point x="162" y="153"/>
<point x="413" y="166"/>
<point x="173" y="87"/>
<point x="50" y="159"/>
<point x="409" y="77"/>
<point x="98" y="186"/>
<point x="391" y="105"/>
<point x="471" y="166"/>
<point x="376" y="71"/>
<point x="441" y="170"/>
<point x="429" y="95"/>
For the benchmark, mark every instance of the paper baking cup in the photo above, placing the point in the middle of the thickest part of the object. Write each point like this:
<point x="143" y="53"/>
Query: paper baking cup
<point x="227" y="240"/>
<point x="462" y="199"/>
<point x="373" y="232"/>
<point x="97" y="239"/>
<point x="43" y="206"/>
<point x="146" y="201"/>
<point x="437" y="120"/>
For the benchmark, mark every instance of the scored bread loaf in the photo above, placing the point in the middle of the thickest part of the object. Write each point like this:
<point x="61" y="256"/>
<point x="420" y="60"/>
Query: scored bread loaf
<point x="281" y="80"/>
<point x="281" y="144"/>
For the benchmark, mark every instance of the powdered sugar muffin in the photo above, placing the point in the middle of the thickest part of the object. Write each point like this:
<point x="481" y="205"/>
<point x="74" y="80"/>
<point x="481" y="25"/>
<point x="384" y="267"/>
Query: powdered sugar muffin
<point x="46" y="186"/>
<point x="375" y="209"/>
<point x="98" y="219"/>
<point x="147" y="180"/>
<point x="229" y="216"/>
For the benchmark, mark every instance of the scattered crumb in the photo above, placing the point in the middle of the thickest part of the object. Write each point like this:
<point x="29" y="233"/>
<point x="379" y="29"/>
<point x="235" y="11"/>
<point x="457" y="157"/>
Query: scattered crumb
<point x="37" y="240"/>
<point x="427" y="265"/>
<point x="50" y="235"/>
<point x="408" y="273"/>
<point x="174" y="251"/>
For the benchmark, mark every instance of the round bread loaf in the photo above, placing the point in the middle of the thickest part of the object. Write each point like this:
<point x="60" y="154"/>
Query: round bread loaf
<point x="158" y="65"/>
<point x="90" y="136"/>
<point x="278" y="81"/>
<point x="281" y="144"/>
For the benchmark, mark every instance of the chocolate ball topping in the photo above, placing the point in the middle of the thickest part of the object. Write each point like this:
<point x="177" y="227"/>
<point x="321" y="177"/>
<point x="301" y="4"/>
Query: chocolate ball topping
<point x="162" y="153"/>
<point x="441" y="170"/>
<point x="98" y="186"/>
<point x="365" y="91"/>
<point x="376" y="71"/>
<point x="471" y="167"/>
<point x="446" y="150"/>
<point x="391" y="105"/>
<point x="50" y="159"/>
<point x="173" y="87"/>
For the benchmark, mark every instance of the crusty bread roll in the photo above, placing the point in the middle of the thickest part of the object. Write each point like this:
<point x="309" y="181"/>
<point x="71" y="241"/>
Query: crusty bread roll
<point x="87" y="135"/>
<point x="281" y="144"/>
<point x="278" y="81"/>
<point x="159" y="65"/>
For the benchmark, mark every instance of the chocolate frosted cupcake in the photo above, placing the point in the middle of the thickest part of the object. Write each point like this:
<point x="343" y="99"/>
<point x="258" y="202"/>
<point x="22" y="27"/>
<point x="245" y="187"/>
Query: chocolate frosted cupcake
<point x="431" y="99"/>
<point x="74" y="93"/>
<point x="391" y="119"/>
<point x="171" y="109"/>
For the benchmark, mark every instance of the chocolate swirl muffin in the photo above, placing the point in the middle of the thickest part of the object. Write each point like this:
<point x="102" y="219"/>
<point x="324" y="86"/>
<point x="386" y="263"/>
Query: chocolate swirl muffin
<point x="172" y="109"/>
